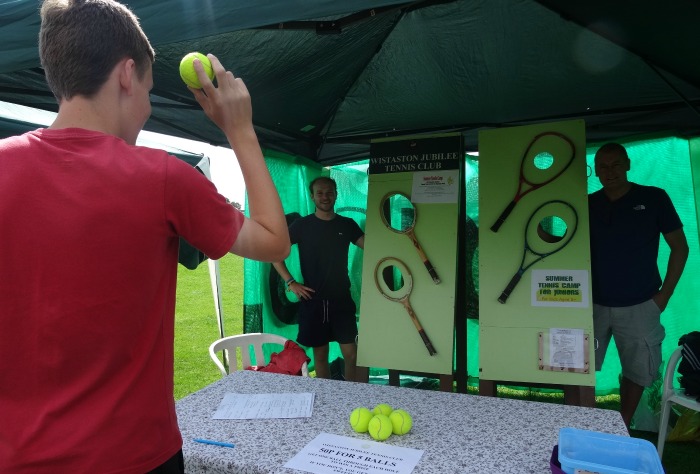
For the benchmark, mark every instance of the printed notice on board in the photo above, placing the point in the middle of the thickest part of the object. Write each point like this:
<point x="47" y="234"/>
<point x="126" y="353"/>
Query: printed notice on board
<point x="435" y="186"/>
<point x="560" y="288"/>
<point x="333" y="454"/>
<point x="566" y="348"/>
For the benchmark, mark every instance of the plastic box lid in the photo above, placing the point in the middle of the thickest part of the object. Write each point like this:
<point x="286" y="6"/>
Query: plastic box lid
<point x="603" y="453"/>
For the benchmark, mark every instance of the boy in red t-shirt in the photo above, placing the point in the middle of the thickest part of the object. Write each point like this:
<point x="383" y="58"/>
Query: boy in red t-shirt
<point x="89" y="245"/>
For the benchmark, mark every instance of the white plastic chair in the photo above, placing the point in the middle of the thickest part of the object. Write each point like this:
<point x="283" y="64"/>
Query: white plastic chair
<point x="245" y="341"/>
<point x="670" y="396"/>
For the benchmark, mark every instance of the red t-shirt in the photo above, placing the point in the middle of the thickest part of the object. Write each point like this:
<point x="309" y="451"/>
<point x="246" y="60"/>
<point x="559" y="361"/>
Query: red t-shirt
<point x="89" y="232"/>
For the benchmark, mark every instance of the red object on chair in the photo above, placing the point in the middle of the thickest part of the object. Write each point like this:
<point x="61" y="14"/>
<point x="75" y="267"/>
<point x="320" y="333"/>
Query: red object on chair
<point x="250" y="346"/>
<point x="288" y="361"/>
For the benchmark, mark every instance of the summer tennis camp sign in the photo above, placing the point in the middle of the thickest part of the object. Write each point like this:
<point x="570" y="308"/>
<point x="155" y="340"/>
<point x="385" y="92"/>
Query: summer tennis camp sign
<point x="560" y="288"/>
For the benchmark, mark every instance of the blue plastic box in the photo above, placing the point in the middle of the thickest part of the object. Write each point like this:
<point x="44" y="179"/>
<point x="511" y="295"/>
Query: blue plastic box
<point x="605" y="453"/>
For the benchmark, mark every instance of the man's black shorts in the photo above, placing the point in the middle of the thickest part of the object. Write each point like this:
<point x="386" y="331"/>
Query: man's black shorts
<point x="323" y="321"/>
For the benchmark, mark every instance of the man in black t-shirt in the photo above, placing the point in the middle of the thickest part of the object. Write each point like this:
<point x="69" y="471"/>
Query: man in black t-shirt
<point x="327" y="309"/>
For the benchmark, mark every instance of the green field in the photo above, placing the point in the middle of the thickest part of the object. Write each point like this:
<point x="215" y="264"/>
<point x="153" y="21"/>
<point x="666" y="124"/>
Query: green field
<point x="195" y="321"/>
<point x="196" y="328"/>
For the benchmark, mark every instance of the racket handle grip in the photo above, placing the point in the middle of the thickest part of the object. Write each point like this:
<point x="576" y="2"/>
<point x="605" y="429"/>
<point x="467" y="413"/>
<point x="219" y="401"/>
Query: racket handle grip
<point x="426" y="341"/>
<point x="433" y="273"/>
<point x="502" y="218"/>
<point x="509" y="289"/>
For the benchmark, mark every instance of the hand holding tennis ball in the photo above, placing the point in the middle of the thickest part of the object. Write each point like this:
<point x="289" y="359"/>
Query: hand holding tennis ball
<point x="189" y="75"/>
<point x="359" y="419"/>
<point x="380" y="427"/>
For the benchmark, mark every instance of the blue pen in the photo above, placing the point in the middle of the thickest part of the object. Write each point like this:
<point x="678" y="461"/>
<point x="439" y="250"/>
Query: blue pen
<point x="215" y="443"/>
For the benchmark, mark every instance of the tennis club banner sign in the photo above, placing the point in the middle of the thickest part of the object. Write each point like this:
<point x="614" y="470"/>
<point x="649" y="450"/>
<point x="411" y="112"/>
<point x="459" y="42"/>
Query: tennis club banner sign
<point x="568" y="288"/>
<point x="437" y="153"/>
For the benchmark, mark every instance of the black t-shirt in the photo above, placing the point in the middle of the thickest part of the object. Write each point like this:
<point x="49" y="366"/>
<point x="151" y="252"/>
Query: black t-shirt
<point x="625" y="244"/>
<point x="323" y="253"/>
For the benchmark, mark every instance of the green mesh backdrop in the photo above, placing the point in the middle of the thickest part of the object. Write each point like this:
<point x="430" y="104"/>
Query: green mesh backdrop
<point x="664" y="162"/>
<point x="471" y="176"/>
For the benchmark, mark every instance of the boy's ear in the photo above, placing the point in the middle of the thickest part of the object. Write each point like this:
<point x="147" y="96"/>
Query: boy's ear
<point x="127" y="74"/>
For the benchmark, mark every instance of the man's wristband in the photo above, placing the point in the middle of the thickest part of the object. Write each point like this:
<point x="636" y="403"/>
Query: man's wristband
<point x="290" y="281"/>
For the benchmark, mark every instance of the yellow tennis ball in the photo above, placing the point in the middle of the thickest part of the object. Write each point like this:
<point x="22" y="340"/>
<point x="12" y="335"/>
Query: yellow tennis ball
<point x="401" y="422"/>
<point x="359" y="419"/>
<point x="380" y="427"/>
<point x="382" y="409"/>
<point x="187" y="72"/>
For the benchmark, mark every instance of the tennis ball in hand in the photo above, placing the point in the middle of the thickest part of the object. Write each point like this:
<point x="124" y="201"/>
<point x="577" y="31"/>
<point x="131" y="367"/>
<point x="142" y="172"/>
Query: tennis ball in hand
<point x="187" y="72"/>
<point x="380" y="427"/>
<point x="401" y="422"/>
<point x="359" y="419"/>
<point x="382" y="409"/>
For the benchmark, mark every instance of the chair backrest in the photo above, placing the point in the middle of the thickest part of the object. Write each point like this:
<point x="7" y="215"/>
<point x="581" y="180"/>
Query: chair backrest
<point x="670" y="374"/>
<point x="671" y="396"/>
<point x="244" y="342"/>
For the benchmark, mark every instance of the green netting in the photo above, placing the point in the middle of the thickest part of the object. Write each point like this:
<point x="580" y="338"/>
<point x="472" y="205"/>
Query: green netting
<point x="663" y="162"/>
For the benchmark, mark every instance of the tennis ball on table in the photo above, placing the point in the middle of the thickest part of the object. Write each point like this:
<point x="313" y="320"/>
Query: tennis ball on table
<point x="401" y="422"/>
<point x="359" y="419"/>
<point x="380" y="427"/>
<point x="382" y="409"/>
<point x="187" y="72"/>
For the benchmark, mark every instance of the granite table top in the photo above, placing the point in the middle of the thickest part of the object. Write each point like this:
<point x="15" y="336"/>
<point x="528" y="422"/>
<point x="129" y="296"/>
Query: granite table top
<point x="458" y="433"/>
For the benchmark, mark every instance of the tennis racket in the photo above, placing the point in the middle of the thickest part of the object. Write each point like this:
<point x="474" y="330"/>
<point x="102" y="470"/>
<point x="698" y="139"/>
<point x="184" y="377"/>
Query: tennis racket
<point x="546" y="158"/>
<point x="396" y="284"/>
<point x="549" y="229"/>
<point x="400" y="215"/>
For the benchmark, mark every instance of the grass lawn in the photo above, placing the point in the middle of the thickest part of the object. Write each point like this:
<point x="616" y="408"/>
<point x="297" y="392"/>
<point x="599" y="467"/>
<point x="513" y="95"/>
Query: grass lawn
<point x="195" y="321"/>
<point x="196" y="329"/>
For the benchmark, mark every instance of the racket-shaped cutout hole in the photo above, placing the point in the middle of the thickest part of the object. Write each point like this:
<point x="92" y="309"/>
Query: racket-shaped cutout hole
<point x="398" y="213"/>
<point x="393" y="279"/>
<point x="552" y="229"/>
<point x="543" y="160"/>
<point x="551" y="226"/>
